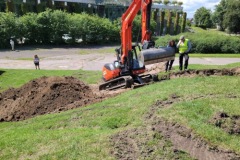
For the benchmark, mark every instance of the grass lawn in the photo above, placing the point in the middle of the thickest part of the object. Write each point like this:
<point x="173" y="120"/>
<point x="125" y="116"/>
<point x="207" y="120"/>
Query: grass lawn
<point x="200" y="66"/>
<point x="84" y="133"/>
<point x="214" y="55"/>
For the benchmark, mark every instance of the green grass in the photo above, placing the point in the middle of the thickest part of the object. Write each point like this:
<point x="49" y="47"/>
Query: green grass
<point x="201" y="66"/>
<point x="198" y="55"/>
<point x="101" y="50"/>
<point x="84" y="133"/>
<point x="17" y="77"/>
<point x="196" y="112"/>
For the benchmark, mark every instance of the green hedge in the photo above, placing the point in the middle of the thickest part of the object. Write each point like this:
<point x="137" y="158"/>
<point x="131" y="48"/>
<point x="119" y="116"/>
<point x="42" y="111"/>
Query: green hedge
<point x="9" y="27"/>
<point x="207" y="41"/>
<point x="49" y="26"/>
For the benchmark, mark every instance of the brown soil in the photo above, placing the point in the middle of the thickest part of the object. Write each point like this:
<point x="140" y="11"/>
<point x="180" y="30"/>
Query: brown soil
<point x="206" y="72"/>
<point x="169" y="140"/>
<point x="47" y="95"/>
<point x="156" y="68"/>
<point x="230" y="124"/>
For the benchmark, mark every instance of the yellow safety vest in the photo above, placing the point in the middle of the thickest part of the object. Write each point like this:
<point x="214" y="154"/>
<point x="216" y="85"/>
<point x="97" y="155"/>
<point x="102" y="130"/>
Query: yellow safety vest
<point x="183" y="47"/>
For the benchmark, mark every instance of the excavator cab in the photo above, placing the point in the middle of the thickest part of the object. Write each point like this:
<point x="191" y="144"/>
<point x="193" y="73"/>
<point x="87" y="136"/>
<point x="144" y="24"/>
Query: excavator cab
<point x="134" y="63"/>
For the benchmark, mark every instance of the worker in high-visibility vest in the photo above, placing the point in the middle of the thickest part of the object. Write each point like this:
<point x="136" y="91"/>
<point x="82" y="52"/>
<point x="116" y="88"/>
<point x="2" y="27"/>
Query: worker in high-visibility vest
<point x="184" y="46"/>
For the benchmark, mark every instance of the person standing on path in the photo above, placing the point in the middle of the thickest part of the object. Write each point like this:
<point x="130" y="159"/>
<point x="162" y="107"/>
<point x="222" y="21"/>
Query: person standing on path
<point x="36" y="61"/>
<point x="12" y="44"/>
<point x="184" y="46"/>
<point x="168" y="65"/>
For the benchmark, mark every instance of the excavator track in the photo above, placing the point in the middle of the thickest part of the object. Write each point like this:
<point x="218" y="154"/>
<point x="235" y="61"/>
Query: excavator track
<point x="121" y="82"/>
<point x="128" y="82"/>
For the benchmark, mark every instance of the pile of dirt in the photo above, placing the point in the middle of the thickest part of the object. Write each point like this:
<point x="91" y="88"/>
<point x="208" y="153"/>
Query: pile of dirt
<point x="45" y="95"/>
<point x="155" y="68"/>
<point x="230" y="124"/>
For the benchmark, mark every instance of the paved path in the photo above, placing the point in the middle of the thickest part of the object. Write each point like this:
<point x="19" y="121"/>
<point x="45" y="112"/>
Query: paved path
<point x="70" y="59"/>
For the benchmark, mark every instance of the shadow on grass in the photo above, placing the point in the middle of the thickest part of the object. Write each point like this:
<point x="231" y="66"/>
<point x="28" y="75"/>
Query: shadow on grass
<point x="1" y="72"/>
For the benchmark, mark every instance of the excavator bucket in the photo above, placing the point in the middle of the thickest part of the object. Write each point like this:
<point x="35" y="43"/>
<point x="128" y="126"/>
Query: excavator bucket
<point x="156" y="55"/>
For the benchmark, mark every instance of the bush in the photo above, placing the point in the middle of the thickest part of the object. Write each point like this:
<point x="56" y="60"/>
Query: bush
<point x="204" y="41"/>
<point x="51" y="26"/>
<point x="29" y="27"/>
<point x="97" y="30"/>
<point x="48" y="27"/>
<point x="9" y="28"/>
<point x="75" y="28"/>
<point x="137" y="28"/>
<point x="59" y="22"/>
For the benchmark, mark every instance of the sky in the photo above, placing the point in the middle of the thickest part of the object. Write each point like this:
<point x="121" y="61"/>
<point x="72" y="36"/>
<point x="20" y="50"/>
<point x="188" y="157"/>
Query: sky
<point x="190" y="6"/>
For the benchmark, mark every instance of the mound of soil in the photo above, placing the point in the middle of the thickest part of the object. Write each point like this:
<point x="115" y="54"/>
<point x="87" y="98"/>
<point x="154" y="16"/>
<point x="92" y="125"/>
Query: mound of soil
<point x="156" y="68"/>
<point x="45" y="95"/>
<point x="230" y="124"/>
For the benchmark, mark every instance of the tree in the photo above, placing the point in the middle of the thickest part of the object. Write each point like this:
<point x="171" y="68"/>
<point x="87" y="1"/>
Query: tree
<point x="162" y="15"/>
<point x="202" y="18"/>
<point x="169" y="22"/>
<point x="9" y="27"/>
<point x="174" y="2"/>
<point x="24" y="8"/>
<point x="158" y="1"/>
<point x="180" y="3"/>
<point x="9" y="6"/>
<point x="227" y="15"/>
<point x="184" y="21"/>
<point x="29" y="27"/>
<point x="176" y="24"/>
<point x="232" y="16"/>
<point x="218" y="15"/>
<point x="166" y="2"/>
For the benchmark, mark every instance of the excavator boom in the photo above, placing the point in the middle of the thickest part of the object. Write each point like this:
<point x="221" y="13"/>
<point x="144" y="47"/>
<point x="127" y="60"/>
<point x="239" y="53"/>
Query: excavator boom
<point x="127" y="19"/>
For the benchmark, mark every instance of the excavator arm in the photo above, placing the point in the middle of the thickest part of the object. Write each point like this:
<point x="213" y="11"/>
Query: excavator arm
<point x="146" y="16"/>
<point x="127" y="19"/>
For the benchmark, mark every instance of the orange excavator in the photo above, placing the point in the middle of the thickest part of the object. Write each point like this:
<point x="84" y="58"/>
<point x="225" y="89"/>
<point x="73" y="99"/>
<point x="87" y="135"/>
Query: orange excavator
<point x="129" y="68"/>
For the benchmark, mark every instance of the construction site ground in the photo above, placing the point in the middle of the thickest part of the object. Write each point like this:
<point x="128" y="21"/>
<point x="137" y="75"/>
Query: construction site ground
<point x="56" y="94"/>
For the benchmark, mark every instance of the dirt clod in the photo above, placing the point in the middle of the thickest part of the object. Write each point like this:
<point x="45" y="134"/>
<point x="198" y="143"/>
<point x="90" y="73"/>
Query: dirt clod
<point x="230" y="124"/>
